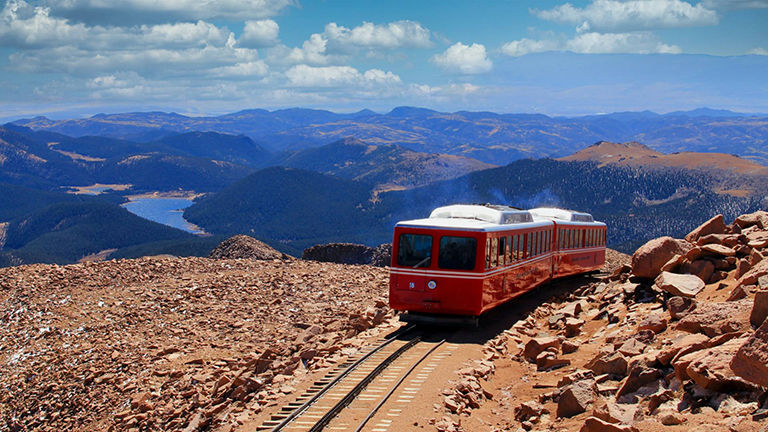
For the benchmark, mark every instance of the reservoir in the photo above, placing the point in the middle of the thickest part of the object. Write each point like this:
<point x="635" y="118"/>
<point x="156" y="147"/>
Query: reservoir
<point x="167" y="211"/>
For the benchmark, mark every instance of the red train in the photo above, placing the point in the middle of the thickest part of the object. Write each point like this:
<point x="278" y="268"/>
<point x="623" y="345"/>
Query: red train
<point x="467" y="259"/>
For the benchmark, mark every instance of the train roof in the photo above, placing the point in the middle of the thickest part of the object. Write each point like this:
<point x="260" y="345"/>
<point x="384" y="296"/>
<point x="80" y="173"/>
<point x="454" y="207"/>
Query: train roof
<point x="472" y="217"/>
<point x="562" y="215"/>
<point x="476" y="218"/>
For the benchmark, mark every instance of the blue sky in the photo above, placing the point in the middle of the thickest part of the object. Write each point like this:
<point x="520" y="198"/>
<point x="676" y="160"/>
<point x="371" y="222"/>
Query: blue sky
<point x="79" y="57"/>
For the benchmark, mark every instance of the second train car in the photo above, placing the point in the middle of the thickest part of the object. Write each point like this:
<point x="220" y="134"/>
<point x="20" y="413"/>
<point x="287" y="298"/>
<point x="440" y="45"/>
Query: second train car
<point x="467" y="259"/>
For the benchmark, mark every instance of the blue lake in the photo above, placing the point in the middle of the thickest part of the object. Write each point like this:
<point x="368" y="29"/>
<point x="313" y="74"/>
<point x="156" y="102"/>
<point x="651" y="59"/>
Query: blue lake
<point x="167" y="211"/>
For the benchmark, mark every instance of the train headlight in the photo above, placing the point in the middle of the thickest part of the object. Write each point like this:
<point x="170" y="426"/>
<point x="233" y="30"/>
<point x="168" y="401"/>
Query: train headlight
<point x="431" y="284"/>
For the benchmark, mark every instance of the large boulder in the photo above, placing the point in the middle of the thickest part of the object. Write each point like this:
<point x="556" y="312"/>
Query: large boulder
<point x="751" y="359"/>
<point x="714" y="319"/>
<point x="614" y="364"/>
<point x="341" y="253"/>
<point x="680" y="306"/>
<point x="711" y="368"/>
<point x="759" y="308"/>
<point x="755" y="273"/>
<point x="716" y="225"/>
<point x="382" y="255"/>
<point x="680" y="285"/>
<point x="759" y="218"/>
<point x="576" y="398"/>
<point x="650" y="257"/>
<point x="536" y="346"/>
<point x="245" y="247"/>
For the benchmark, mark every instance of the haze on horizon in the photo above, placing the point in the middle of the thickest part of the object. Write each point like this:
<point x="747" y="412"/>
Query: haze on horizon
<point x="80" y="57"/>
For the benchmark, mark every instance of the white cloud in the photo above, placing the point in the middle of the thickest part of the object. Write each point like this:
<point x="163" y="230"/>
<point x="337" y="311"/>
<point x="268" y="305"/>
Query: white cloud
<point x="630" y="15"/>
<point x="22" y="26"/>
<point x="465" y="59"/>
<point x="758" y="51"/>
<point x="262" y="33"/>
<point x="396" y="34"/>
<point x="312" y="51"/>
<point x="251" y="69"/>
<point x="594" y="43"/>
<point x="154" y="11"/>
<point x="735" y="4"/>
<point x="337" y="76"/>
<point x="526" y="46"/>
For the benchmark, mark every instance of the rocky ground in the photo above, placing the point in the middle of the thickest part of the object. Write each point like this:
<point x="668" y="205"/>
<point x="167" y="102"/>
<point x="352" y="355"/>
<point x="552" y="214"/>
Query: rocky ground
<point x="676" y="341"/>
<point x="171" y="343"/>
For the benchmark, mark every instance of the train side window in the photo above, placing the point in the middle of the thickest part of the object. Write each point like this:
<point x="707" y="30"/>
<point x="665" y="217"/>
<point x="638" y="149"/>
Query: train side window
<point x="560" y="238"/>
<point x="457" y="253"/>
<point x="494" y="252"/>
<point x="573" y="238"/>
<point x="591" y="237"/>
<point x="516" y="247"/>
<point x="508" y="259"/>
<point x="529" y="248"/>
<point x="488" y="253"/>
<point x="502" y="249"/>
<point x="414" y="250"/>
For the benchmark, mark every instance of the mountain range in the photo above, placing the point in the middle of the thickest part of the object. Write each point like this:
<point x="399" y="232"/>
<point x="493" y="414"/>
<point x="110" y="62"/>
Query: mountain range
<point x="490" y="137"/>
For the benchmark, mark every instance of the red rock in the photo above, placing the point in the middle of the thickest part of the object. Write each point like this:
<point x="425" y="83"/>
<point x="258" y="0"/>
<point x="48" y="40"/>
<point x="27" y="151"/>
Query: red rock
<point x="737" y="293"/>
<point x="535" y="346"/>
<point x="614" y="413"/>
<point x="573" y="326"/>
<point x="674" y="263"/>
<point x="716" y="249"/>
<point x="632" y="347"/>
<point x="576" y="398"/>
<point x="759" y="308"/>
<point x="653" y="322"/>
<point x="549" y="360"/>
<point x="701" y="268"/>
<point x="759" y="218"/>
<point x="614" y="364"/>
<point x="729" y="240"/>
<point x="716" y="225"/>
<point x="594" y="424"/>
<point x="682" y="345"/>
<point x="719" y="318"/>
<point x="742" y="268"/>
<point x="680" y="285"/>
<point x="680" y="306"/>
<point x="711" y="368"/>
<point x="751" y="360"/>
<point x="640" y="371"/>
<point x="529" y="409"/>
<point x="650" y="257"/>
<point x="570" y="346"/>
<point x="758" y="270"/>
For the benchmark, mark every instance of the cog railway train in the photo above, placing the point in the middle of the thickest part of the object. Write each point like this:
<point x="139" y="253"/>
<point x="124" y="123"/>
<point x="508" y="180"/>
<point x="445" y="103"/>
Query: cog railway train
<point x="464" y="260"/>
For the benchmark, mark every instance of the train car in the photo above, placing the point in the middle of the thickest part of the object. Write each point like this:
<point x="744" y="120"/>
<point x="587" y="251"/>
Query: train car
<point x="467" y="259"/>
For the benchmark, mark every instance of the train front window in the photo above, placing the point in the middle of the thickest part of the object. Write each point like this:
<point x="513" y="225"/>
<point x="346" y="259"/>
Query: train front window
<point x="457" y="253"/>
<point x="414" y="250"/>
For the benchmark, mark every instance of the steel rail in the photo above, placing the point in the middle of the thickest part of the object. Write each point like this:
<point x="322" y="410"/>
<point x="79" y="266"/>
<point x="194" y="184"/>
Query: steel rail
<point x="397" y="384"/>
<point x="300" y="410"/>
<point x="346" y="400"/>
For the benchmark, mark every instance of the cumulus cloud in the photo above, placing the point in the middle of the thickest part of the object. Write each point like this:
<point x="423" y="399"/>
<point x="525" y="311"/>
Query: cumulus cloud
<point x="312" y="51"/>
<point x="262" y="33"/>
<point x="337" y="76"/>
<point x="465" y="59"/>
<point x="608" y="43"/>
<point x="526" y="46"/>
<point x="630" y="15"/>
<point x="396" y="34"/>
<point x="124" y="12"/>
<point x="22" y="26"/>
<point x="594" y="43"/>
<point x="735" y="4"/>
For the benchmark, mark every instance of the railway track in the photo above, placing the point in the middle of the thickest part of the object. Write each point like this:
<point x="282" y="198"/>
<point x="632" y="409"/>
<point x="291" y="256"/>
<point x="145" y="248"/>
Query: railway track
<point x="387" y="374"/>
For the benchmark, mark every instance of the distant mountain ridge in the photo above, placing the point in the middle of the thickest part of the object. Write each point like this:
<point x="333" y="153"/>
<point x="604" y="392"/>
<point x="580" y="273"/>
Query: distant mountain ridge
<point x="490" y="137"/>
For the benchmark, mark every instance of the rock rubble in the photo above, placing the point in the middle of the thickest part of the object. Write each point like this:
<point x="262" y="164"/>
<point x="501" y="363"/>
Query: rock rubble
<point x="172" y="343"/>
<point x="677" y="338"/>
